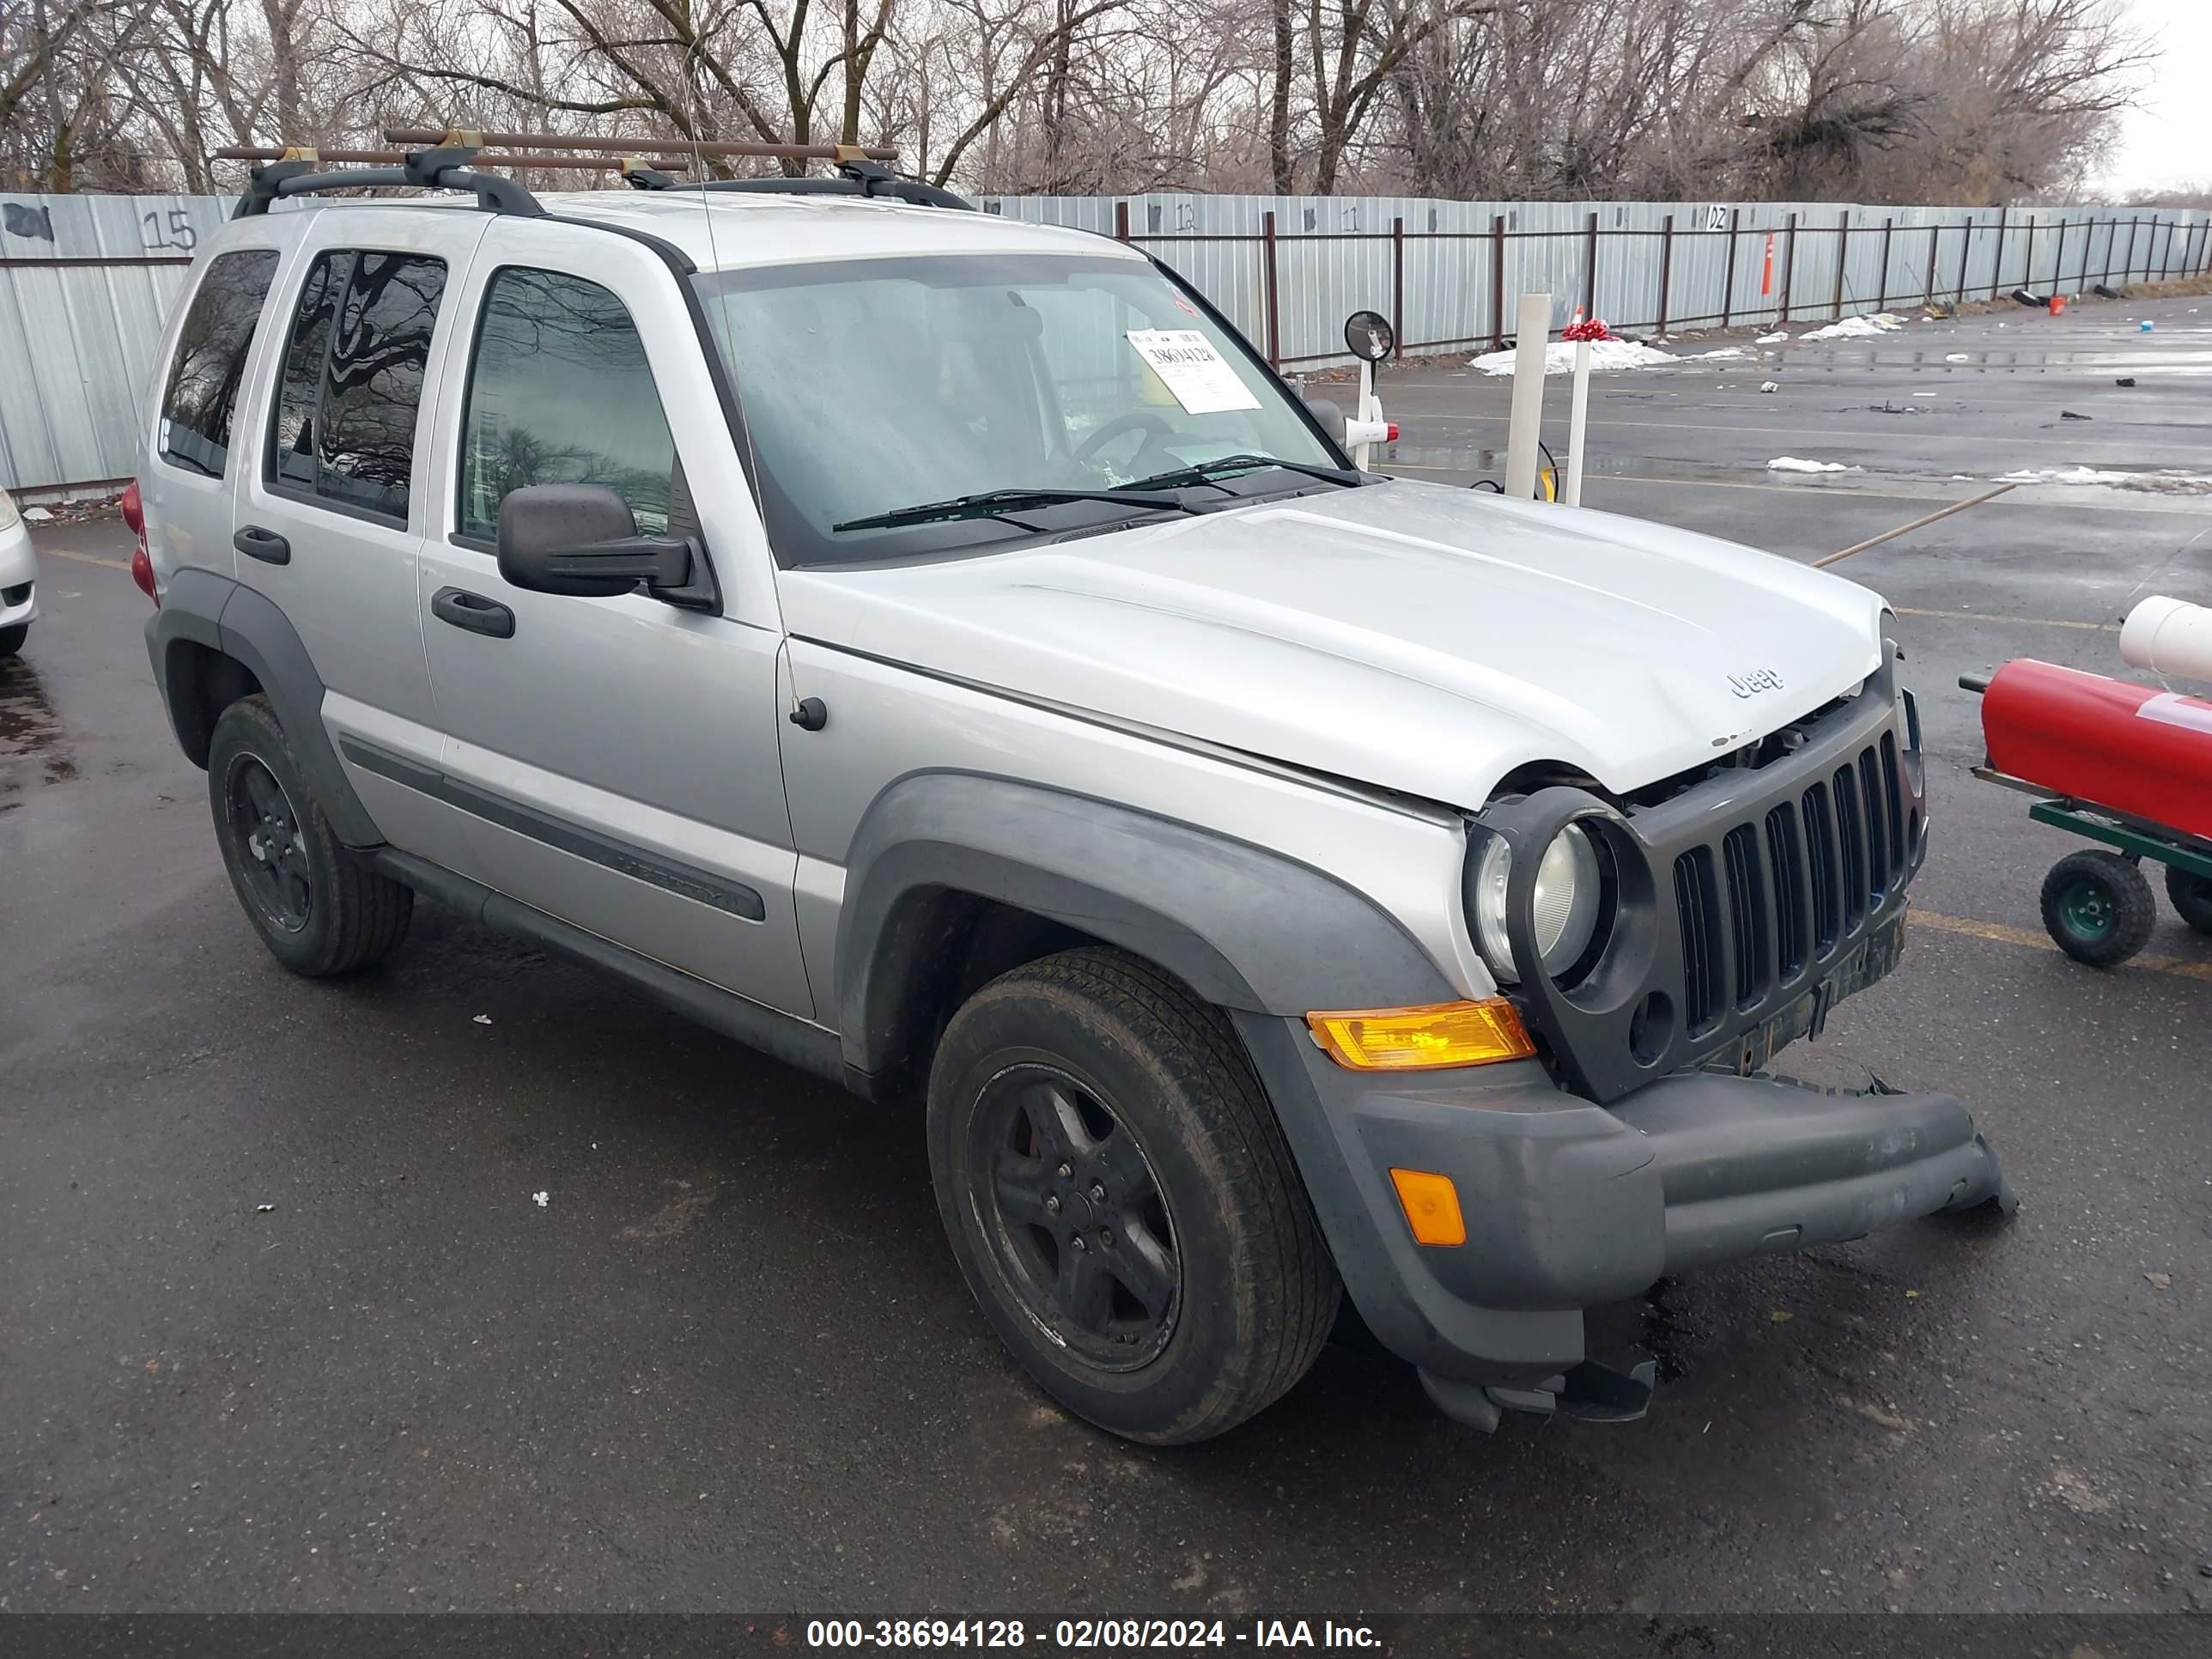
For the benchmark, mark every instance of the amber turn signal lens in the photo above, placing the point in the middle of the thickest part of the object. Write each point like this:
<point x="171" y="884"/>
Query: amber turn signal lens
<point x="1422" y="1039"/>
<point x="1431" y="1207"/>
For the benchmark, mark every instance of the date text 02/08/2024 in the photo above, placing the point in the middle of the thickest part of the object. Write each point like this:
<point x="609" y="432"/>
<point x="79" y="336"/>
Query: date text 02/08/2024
<point x="1083" y="1634"/>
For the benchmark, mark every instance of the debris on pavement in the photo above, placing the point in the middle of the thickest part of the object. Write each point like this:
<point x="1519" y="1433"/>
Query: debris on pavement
<point x="541" y="1199"/>
<point x="1857" y="328"/>
<point x="2161" y="1281"/>
<point x="483" y="1020"/>
<point x="1770" y="385"/>
<point x="263" y="1209"/>
<point x="1956" y="357"/>
<point x="2069" y="414"/>
<point x="2125" y="379"/>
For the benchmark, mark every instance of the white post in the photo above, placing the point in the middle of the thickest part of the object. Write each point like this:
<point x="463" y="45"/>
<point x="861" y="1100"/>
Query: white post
<point x="1532" y="334"/>
<point x="1367" y="411"/>
<point x="1577" y="419"/>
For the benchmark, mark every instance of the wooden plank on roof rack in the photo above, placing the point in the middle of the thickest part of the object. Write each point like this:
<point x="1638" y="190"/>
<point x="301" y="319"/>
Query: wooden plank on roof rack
<point x="569" y="141"/>
<point x="487" y="159"/>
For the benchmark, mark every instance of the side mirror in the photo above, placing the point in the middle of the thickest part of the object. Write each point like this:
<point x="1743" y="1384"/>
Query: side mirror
<point x="1369" y="337"/>
<point x="1330" y="416"/>
<point x="582" y="540"/>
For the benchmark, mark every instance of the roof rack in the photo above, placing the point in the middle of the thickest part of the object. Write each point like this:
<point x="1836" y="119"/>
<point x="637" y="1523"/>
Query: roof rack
<point x="857" y="164"/>
<point x="293" y="171"/>
<point x="449" y="159"/>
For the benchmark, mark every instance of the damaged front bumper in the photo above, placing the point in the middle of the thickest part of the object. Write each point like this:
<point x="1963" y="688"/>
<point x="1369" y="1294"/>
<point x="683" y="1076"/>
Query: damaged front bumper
<point x="1568" y="1204"/>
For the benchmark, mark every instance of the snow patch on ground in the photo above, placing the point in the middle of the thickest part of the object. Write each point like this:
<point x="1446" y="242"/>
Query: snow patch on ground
<point x="1793" y="464"/>
<point x="1775" y="338"/>
<point x="2165" y="481"/>
<point x="1956" y="357"/>
<point x="1605" y="356"/>
<point x="1857" y="328"/>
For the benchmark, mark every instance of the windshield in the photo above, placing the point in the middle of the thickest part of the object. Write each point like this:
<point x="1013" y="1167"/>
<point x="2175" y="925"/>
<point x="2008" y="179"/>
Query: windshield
<point x="873" y="386"/>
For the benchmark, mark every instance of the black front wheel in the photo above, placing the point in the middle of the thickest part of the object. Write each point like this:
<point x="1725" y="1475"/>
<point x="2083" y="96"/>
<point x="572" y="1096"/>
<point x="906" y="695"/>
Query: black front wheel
<point x="317" y="907"/>
<point x="2098" y="907"/>
<point x="2191" y="896"/>
<point x="1121" y="1201"/>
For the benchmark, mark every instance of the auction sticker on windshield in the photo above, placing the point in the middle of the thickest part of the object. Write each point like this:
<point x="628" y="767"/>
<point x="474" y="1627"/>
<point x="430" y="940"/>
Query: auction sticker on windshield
<point x="1192" y="369"/>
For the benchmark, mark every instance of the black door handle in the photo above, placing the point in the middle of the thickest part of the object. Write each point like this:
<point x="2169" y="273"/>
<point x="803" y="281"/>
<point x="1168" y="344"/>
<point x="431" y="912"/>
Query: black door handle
<point x="472" y="612"/>
<point x="265" y="545"/>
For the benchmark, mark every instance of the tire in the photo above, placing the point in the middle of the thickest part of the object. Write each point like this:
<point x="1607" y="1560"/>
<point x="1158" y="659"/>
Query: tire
<point x="2191" y="898"/>
<point x="11" y="639"/>
<point x="1202" y="1290"/>
<point x="2098" y="907"/>
<point x="317" y="907"/>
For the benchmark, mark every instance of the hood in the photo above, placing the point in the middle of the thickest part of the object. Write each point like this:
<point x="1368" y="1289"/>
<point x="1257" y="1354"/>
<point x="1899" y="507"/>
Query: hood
<point x="1412" y="636"/>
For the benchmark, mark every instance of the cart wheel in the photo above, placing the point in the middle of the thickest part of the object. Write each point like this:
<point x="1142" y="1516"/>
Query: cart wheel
<point x="2191" y="896"/>
<point x="2098" y="907"/>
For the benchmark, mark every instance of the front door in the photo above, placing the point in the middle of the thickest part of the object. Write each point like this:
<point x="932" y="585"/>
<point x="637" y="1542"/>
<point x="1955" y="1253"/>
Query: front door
<point x="615" y="760"/>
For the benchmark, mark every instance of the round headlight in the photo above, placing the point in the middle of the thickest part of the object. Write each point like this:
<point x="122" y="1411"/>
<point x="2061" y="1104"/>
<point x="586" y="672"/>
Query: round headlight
<point x="1569" y="892"/>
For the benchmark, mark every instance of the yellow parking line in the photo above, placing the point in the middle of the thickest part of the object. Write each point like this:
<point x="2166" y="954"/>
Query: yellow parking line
<point x="1985" y="615"/>
<point x="86" y="558"/>
<point x="2183" y="967"/>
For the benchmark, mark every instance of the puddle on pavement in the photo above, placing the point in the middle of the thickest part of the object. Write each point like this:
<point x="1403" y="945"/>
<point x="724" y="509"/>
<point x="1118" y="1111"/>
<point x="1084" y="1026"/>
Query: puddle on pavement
<point x="34" y="748"/>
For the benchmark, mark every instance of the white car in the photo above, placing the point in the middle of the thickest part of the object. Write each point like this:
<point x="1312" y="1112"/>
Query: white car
<point x="19" y="578"/>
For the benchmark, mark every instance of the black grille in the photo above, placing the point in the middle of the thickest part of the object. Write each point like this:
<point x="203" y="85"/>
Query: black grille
<point x="1821" y="858"/>
<point x="1785" y="856"/>
<point x="1746" y="898"/>
<point x="1698" y="907"/>
<point x="1781" y="893"/>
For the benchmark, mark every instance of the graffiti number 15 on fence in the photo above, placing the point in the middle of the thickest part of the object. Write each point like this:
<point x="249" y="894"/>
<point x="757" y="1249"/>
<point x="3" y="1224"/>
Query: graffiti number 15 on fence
<point x="1192" y="370"/>
<point x="172" y="230"/>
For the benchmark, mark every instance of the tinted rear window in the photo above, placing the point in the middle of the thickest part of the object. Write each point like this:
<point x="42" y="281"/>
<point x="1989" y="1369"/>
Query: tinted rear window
<point x="353" y="378"/>
<point x="204" y="380"/>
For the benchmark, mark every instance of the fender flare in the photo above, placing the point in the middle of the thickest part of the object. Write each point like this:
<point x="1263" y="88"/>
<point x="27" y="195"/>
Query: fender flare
<point x="1245" y="927"/>
<point x="205" y="608"/>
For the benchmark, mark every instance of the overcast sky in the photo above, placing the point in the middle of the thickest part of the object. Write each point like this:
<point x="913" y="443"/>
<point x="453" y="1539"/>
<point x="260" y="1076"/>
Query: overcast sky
<point x="2169" y="140"/>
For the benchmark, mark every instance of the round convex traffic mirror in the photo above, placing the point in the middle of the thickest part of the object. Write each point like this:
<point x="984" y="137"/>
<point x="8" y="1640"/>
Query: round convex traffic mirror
<point x="1369" y="337"/>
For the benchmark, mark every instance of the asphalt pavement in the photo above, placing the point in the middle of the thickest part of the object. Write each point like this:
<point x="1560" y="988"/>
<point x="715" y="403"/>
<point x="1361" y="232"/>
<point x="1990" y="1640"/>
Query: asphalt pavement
<point x="286" y="1327"/>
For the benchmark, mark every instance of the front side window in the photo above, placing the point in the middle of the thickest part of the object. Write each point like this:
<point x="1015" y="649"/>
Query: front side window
<point x="345" y="427"/>
<point x="871" y="385"/>
<point x="560" y="392"/>
<point x="204" y="380"/>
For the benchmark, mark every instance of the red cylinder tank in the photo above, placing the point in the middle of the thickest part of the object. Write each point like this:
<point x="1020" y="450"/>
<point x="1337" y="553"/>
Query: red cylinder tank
<point x="2134" y="748"/>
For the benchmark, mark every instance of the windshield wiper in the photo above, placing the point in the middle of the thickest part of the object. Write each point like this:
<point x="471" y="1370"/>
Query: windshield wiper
<point x="1204" y="470"/>
<point x="989" y="503"/>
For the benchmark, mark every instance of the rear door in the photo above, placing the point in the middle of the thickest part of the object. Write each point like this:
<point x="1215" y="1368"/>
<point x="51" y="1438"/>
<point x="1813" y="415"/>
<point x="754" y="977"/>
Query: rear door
<point x="616" y="759"/>
<point x="330" y="523"/>
<point x="186" y="479"/>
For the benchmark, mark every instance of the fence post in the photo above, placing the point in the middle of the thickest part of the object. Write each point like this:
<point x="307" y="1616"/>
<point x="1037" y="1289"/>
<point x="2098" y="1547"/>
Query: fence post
<point x="1728" y="278"/>
<point x="1274" y="322"/>
<point x="1789" y="268"/>
<point x="1397" y="287"/>
<point x="1665" y="265"/>
<point x="1121" y="221"/>
<point x="2135" y="223"/>
<point x="2027" y="269"/>
<point x="1881" y="298"/>
<point x="1497" y="282"/>
<point x="1589" y="267"/>
<point x="1997" y="265"/>
<point x="1928" y="287"/>
<point x="2166" y="267"/>
<point x="1965" y="253"/>
<point x="1843" y="255"/>
<point x="2111" y="236"/>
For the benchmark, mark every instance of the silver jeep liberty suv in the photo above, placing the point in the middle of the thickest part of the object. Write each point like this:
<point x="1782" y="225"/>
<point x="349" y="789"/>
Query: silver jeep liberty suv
<point x="937" y="651"/>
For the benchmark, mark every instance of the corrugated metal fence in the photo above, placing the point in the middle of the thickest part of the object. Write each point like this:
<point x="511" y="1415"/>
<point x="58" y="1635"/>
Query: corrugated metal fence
<point x="85" y="281"/>
<point x="1288" y="270"/>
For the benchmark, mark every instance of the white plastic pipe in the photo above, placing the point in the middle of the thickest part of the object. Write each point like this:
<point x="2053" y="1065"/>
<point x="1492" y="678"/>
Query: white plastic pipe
<point x="1578" y="422"/>
<point x="2169" y="636"/>
<point x="1531" y="336"/>
<point x="1363" y="423"/>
